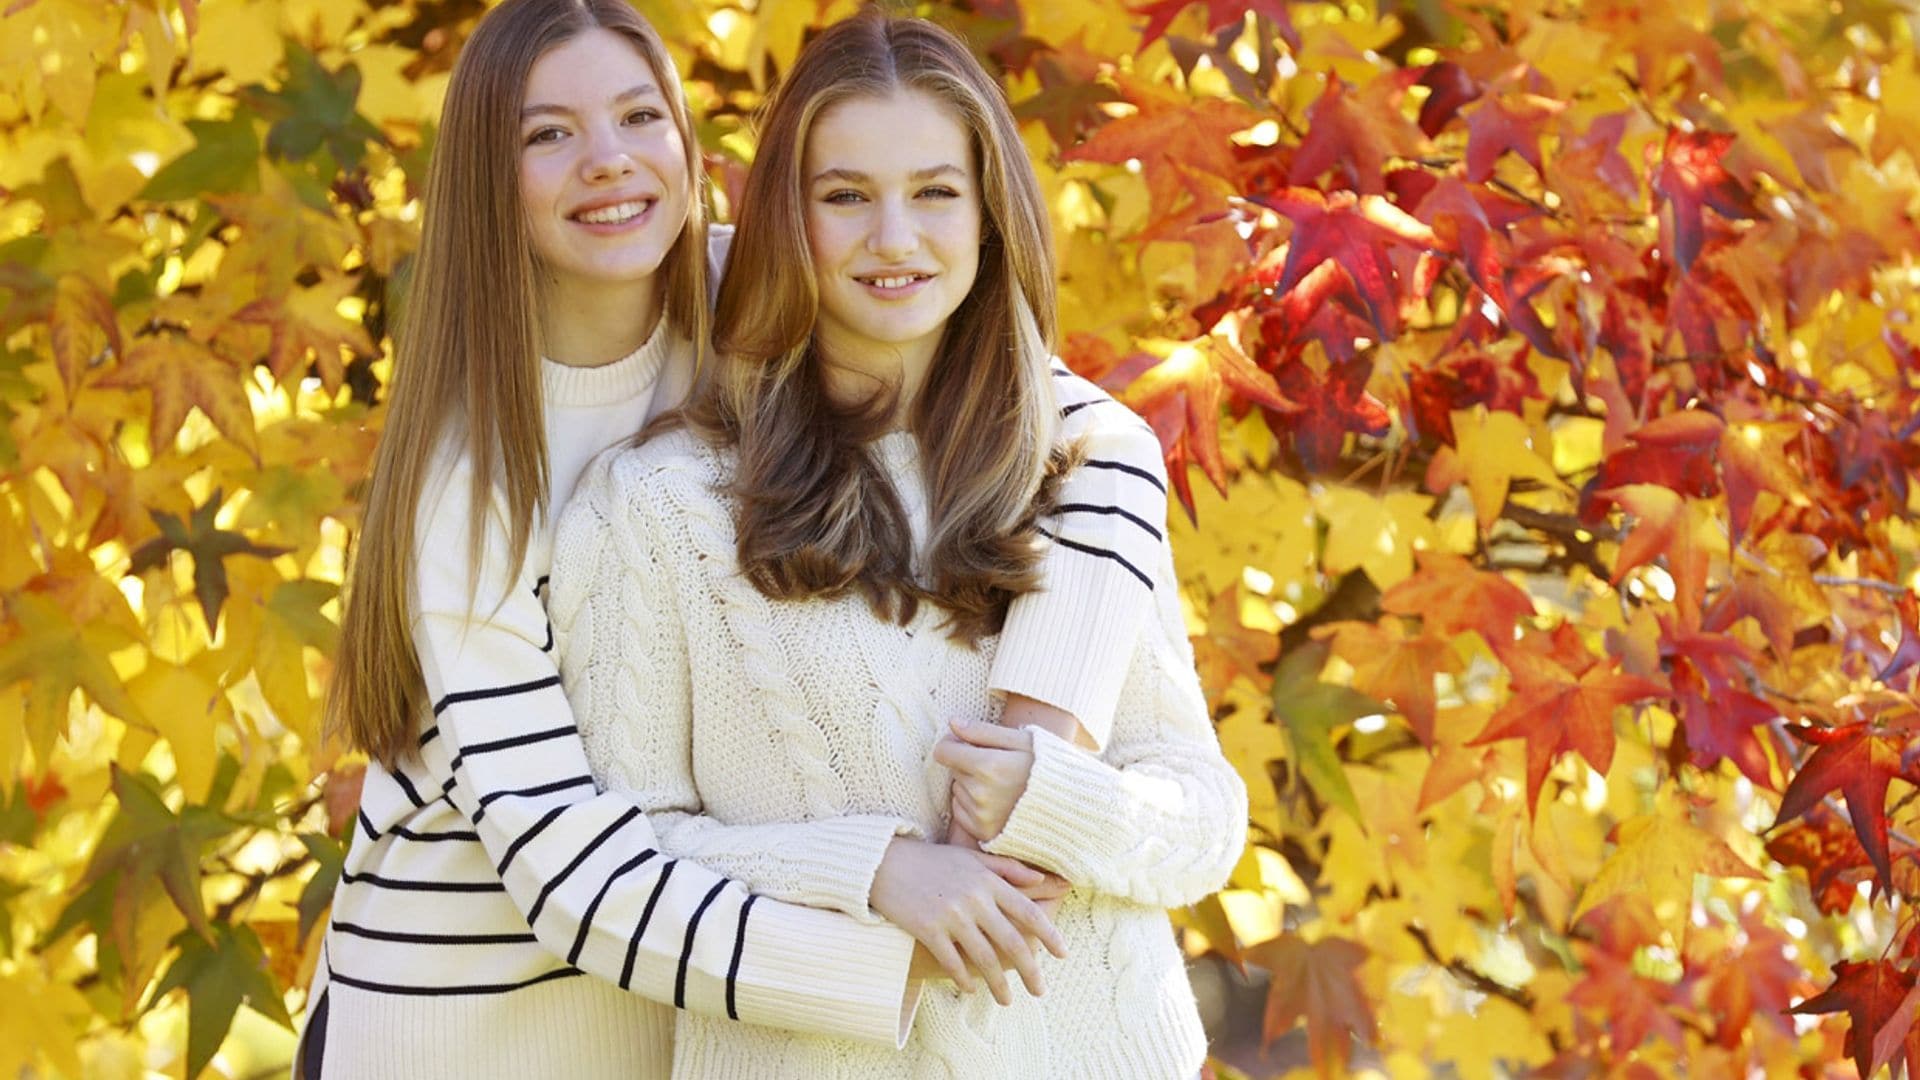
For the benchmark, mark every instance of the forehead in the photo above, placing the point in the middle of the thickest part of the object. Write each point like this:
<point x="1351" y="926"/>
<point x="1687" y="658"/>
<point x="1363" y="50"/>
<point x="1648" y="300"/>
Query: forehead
<point x="588" y="68"/>
<point x="905" y="131"/>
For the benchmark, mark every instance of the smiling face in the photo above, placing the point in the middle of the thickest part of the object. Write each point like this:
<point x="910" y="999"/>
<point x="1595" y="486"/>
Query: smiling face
<point x="893" y="218"/>
<point x="603" y="168"/>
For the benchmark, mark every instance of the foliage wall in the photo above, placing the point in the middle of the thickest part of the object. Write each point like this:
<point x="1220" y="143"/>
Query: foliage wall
<point x="1539" y="380"/>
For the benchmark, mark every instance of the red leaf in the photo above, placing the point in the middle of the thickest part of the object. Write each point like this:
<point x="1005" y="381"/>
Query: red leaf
<point x="1859" y="764"/>
<point x="1692" y="178"/>
<point x="1449" y="595"/>
<point x="1826" y="848"/>
<point x="1355" y="232"/>
<point x="1356" y="134"/>
<point x="1341" y="405"/>
<point x="1177" y="142"/>
<point x="1318" y="982"/>
<point x="1874" y="995"/>
<point x="1495" y="127"/>
<point x="1451" y="87"/>
<point x="1555" y="711"/>
<point x="1220" y="15"/>
<point x="1907" y="608"/>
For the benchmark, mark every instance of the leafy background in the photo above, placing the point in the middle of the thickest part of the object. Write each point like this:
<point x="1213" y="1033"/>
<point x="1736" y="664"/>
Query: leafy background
<point x="1540" y="383"/>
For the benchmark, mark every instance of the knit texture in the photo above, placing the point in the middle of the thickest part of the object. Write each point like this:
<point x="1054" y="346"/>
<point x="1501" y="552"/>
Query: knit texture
<point x="499" y="915"/>
<point x="758" y="733"/>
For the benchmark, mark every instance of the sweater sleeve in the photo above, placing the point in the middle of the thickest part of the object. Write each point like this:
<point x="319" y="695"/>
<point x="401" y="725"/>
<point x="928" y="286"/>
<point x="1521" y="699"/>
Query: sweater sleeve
<point x="1066" y="643"/>
<point x="585" y="866"/>
<point x="624" y="656"/>
<point x="1158" y="817"/>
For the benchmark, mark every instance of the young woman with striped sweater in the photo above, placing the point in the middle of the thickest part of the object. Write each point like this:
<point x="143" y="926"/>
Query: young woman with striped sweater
<point x="556" y="304"/>
<point x="769" y="612"/>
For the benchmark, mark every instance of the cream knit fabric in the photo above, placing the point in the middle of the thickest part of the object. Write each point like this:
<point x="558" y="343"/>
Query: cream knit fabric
<point x="786" y="744"/>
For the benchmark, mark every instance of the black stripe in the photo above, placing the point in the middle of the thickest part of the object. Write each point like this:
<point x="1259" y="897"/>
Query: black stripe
<point x="686" y="950"/>
<point x="517" y="740"/>
<point x="586" y="920"/>
<point x="1089" y="508"/>
<point x="513" y="849"/>
<point x="432" y="837"/>
<point x="739" y="946"/>
<point x="646" y="916"/>
<point x="403" y="885"/>
<point x="548" y="647"/>
<point x="543" y="789"/>
<point x="1064" y="373"/>
<point x="1102" y="553"/>
<point x="434" y="939"/>
<point x="1078" y="405"/>
<point x="406" y="785"/>
<point x="366" y="826"/>
<point x="542" y="583"/>
<point x="533" y="913"/>
<point x="494" y="692"/>
<point x="1121" y="466"/>
<point x="429" y="735"/>
<point x="454" y="991"/>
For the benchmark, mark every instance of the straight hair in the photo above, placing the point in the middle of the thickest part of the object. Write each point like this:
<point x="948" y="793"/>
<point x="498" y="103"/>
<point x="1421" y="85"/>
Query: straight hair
<point x="815" y="513"/>
<point x="467" y="352"/>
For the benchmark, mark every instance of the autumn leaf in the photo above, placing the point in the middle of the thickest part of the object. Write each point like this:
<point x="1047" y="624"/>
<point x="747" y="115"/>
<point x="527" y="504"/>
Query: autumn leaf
<point x="1692" y="178"/>
<point x="1449" y="595"/>
<point x="1657" y="856"/>
<point x="55" y="656"/>
<point x="1311" y="711"/>
<point x="1220" y="15"/>
<point x="219" y="974"/>
<point x="1877" y="998"/>
<point x="306" y="322"/>
<point x="1499" y="125"/>
<point x="1317" y="982"/>
<point x="1397" y="667"/>
<point x="1356" y="134"/>
<point x="1556" y="710"/>
<point x="210" y="547"/>
<point x="1859" y="763"/>
<point x="1355" y="233"/>
<point x="1176" y="143"/>
<point x="83" y="321"/>
<point x="182" y="374"/>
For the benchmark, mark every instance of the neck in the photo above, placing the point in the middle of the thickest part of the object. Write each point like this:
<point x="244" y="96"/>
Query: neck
<point x="855" y="373"/>
<point x="591" y="327"/>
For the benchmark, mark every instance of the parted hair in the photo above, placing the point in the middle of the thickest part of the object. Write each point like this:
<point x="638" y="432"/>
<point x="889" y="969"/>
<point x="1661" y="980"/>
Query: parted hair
<point x="467" y="360"/>
<point x="816" y="515"/>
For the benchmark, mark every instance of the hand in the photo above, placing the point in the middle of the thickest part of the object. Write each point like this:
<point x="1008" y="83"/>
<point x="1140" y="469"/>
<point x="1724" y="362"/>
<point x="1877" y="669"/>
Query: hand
<point x="990" y="766"/>
<point x="968" y="910"/>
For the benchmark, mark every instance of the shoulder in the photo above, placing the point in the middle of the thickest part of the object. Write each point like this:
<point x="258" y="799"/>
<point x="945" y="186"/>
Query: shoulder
<point x="1111" y="435"/>
<point x="675" y="467"/>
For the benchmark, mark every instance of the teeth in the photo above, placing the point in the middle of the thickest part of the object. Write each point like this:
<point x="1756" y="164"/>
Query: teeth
<point x="896" y="282"/>
<point x="614" y="215"/>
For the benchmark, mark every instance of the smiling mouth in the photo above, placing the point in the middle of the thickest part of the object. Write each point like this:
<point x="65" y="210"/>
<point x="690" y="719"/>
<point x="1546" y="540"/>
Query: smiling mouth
<point x="898" y="281"/>
<point x="617" y="214"/>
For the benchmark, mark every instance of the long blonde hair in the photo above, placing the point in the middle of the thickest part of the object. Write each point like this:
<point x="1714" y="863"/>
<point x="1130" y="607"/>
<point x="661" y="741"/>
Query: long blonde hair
<point x="816" y="514"/>
<point x="467" y="352"/>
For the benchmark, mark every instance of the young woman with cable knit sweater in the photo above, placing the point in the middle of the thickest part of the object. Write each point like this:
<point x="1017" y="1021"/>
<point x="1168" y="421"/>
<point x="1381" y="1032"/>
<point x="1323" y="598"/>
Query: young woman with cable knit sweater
<point x="789" y="605"/>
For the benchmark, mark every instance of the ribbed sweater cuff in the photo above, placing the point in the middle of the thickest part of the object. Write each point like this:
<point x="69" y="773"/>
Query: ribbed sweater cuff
<point x="832" y="861"/>
<point x="828" y="975"/>
<point x="1060" y="817"/>
<point x="1069" y="645"/>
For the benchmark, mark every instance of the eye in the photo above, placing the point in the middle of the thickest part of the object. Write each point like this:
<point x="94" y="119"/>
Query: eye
<point x="644" y="115"/>
<point x="544" y="135"/>
<point x="843" y="197"/>
<point x="938" y="192"/>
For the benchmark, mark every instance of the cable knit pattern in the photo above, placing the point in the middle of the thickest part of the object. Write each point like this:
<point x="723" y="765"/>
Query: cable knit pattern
<point x="759" y="733"/>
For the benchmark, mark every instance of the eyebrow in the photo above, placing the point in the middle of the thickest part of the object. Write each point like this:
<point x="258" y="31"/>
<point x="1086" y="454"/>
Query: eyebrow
<point x="852" y="176"/>
<point x="641" y="90"/>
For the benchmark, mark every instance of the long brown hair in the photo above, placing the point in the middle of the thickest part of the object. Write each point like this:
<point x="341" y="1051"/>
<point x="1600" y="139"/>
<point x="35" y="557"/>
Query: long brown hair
<point x="816" y="514"/>
<point x="467" y="352"/>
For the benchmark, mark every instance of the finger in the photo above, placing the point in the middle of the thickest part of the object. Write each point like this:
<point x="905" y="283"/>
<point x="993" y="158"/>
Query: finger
<point x="1033" y="921"/>
<point x="1013" y="871"/>
<point x="950" y="962"/>
<point x="962" y="758"/>
<point x="1050" y="887"/>
<point x="985" y="959"/>
<point x="964" y="817"/>
<point x="992" y="736"/>
<point x="1015" y="952"/>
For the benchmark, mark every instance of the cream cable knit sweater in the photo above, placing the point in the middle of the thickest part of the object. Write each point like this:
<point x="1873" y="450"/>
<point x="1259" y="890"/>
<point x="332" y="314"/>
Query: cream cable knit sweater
<point x="811" y="751"/>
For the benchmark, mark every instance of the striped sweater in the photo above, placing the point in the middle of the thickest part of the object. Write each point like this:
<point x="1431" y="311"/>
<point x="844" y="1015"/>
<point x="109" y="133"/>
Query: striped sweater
<point x="489" y="874"/>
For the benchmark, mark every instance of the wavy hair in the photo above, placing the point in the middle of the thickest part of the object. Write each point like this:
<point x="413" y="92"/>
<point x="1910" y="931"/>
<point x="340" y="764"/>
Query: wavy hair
<point x="470" y="370"/>
<point x="816" y="515"/>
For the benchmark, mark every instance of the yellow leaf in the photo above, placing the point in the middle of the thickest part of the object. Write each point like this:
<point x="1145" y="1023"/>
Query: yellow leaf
<point x="1495" y="448"/>
<point x="188" y="707"/>
<point x="238" y="37"/>
<point x="13" y="737"/>
<point x="1376" y="533"/>
<point x="1657" y="856"/>
<point x="41" y="1019"/>
<point x="1250" y="739"/>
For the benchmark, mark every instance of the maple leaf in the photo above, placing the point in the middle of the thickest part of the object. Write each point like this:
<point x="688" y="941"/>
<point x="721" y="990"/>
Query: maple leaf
<point x="1342" y="406"/>
<point x="1497" y="126"/>
<point x="1355" y="233"/>
<point x="1357" y="134"/>
<point x="1396" y="667"/>
<point x="1311" y="711"/>
<point x="182" y="374"/>
<point x="1449" y="594"/>
<point x="1875" y="995"/>
<point x="1759" y="979"/>
<point x="56" y="653"/>
<point x="1670" y="526"/>
<point x="1859" y="762"/>
<point x="1198" y="378"/>
<point x="1906" y="608"/>
<point x="80" y="308"/>
<point x="209" y="545"/>
<point x="1450" y="87"/>
<point x="1810" y="140"/>
<point x="219" y="972"/>
<point x="1692" y="178"/>
<point x="305" y="322"/>
<point x="1175" y="140"/>
<point x="1555" y="710"/>
<point x="1656" y="856"/>
<point x="1318" y="982"/>
<point x="1727" y="727"/>
<point x="1221" y="14"/>
<point x="1230" y="649"/>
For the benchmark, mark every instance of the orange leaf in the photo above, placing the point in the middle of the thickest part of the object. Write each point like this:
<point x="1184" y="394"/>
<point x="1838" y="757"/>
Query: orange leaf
<point x="182" y="374"/>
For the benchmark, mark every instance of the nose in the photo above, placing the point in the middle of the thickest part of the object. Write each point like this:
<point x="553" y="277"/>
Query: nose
<point x="894" y="235"/>
<point x="607" y="159"/>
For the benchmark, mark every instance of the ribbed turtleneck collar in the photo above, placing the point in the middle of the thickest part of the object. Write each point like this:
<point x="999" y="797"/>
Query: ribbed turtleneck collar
<point x="618" y="381"/>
